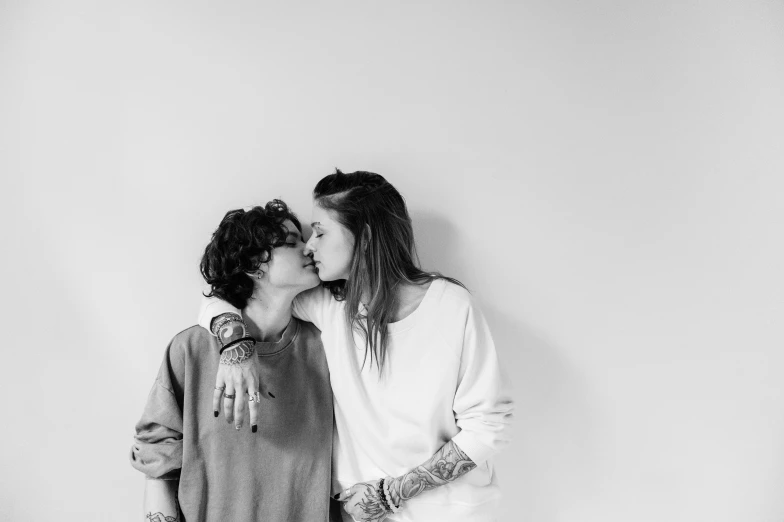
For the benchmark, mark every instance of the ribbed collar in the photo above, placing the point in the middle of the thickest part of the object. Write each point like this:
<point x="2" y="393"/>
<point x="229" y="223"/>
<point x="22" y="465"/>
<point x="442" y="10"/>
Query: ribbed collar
<point x="265" y="349"/>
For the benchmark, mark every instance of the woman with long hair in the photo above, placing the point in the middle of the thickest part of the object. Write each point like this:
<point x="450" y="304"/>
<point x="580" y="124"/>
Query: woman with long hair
<point x="201" y="470"/>
<point x="419" y="400"/>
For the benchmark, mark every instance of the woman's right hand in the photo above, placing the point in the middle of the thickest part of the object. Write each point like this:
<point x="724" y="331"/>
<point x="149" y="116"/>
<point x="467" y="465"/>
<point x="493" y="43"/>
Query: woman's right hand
<point x="237" y="385"/>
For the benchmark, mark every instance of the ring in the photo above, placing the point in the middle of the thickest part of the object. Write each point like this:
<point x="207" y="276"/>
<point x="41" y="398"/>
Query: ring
<point x="220" y="388"/>
<point x="254" y="397"/>
<point x="347" y="492"/>
<point x="229" y="396"/>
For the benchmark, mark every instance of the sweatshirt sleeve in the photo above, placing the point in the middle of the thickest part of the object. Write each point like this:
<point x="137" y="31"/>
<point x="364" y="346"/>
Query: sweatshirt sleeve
<point x="157" y="448"/>
<point x="483" y="403"/>
<point x="212" y="307"/>
<point x="307" y="306"/>
<point x="312" y="305"/>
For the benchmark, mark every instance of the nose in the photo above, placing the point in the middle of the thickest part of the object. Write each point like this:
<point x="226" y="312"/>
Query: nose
<point x="309" y="246"/>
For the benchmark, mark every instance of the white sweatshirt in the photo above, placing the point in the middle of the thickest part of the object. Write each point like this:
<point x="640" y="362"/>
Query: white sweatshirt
<point x="441" y="381"/>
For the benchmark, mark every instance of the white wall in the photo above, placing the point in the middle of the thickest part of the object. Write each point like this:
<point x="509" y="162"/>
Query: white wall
<point x="606" y="176"/>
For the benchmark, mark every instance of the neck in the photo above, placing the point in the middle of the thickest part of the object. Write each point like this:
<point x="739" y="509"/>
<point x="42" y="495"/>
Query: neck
<point x="267" y="315"/>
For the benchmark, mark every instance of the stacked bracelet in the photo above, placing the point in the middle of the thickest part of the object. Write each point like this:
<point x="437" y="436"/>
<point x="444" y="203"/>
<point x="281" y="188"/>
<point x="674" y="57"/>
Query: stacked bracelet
<point x="224" y="319"/>
<point x="382" y="496"/>
<point x="388" y="494"/>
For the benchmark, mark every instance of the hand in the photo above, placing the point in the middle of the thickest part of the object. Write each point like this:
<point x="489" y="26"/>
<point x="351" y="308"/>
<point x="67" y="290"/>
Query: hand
<point x="362" y="502"/>
<point x="237" y="376"/>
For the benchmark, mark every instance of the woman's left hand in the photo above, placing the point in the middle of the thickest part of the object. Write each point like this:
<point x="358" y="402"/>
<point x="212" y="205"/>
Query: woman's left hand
<point x="362" y="502"/>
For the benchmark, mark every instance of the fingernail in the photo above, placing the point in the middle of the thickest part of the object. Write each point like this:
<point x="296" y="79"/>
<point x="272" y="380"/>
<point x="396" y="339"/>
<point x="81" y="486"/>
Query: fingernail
<point x="336" y="495"/>
<point x="216" y="413"/>
<point x="254" y="428"/>
<point x="270" y="394"/>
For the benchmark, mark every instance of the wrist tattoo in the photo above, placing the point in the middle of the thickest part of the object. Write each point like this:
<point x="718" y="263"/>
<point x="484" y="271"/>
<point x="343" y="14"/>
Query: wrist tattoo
<point x="448" y="464"/>
<point x="238" y="353"/>
<point x="229" y="327"/>
<point x="160" y="517"/>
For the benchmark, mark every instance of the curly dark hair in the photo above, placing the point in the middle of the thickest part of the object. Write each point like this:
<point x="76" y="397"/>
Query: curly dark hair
<point x="241" y="243"/>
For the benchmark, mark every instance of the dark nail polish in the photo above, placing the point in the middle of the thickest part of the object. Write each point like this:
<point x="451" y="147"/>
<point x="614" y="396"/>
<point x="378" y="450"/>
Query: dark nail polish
<point x="216" y="413"/>
<point x="336" y="495"/>
<point x="270" y="394"/>
<point x="254" y="428"/>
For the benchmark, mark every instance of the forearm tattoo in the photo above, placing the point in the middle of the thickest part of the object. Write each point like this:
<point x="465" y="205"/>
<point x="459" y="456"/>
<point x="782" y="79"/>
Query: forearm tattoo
<point x="446" y="465"/>
<point x="229" y="327"/>
<point x="160" y="517"/>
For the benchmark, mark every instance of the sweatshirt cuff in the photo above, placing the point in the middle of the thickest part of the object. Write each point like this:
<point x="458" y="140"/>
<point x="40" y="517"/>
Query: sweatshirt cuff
<point x="471" y="446"/>
<point x="212" y="310"/>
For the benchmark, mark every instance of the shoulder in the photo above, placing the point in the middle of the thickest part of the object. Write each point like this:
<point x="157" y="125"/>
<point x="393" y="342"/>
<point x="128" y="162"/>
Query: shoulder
<point x="308" y="342"/>
<point x="452" y="300"/>
<point x="192" y="342"/>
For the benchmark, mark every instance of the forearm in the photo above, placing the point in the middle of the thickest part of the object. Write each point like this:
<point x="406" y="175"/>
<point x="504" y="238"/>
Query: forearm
<point x="160" y="501"/>
<point x="228" y="327"/>
<point x="447" y="465"/>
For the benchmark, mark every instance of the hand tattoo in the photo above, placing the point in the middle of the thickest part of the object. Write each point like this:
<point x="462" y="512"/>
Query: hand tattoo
<point x="160" y="517"/>
<point x="371" y="505"/>
<point x="448" y="464"/>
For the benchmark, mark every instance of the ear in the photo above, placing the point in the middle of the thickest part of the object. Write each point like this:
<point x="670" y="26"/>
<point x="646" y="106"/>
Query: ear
<point x="367" y="236"/>
<point x="262" y="270"/>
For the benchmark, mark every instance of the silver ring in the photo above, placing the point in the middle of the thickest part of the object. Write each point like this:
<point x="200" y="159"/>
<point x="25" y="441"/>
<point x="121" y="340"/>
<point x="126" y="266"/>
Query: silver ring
<point x="220" y="388"/>
<point x="229" y="396"/>
<point x="254" y="397"/>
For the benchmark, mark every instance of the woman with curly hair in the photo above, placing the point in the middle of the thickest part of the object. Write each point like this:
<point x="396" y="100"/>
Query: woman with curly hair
<point x="420" y="403"/>
<point x="200" y="469"/>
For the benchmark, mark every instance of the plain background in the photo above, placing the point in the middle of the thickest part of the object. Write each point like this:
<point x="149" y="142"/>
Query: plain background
<point x="607" y="177"/>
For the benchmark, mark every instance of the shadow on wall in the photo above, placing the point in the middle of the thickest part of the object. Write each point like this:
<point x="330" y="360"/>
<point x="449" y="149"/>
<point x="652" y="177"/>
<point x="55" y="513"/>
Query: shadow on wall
<point x="555" y="448"/>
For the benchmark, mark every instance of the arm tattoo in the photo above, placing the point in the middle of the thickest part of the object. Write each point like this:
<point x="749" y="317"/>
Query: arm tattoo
<point x="160" y="517"/>
<point x="228" y="327"/>
<point x="448" y="464"/>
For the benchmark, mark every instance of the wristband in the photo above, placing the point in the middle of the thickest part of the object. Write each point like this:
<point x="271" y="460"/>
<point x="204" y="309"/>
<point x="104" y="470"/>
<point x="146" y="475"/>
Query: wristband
<point x="236" y="342"/>
<point x="381" y="496"/>
<point x="388" y="495"/>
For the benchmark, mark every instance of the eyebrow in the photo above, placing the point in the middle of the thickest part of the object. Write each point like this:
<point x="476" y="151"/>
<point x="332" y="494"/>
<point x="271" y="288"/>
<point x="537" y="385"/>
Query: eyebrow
<point x="316" y="224"/>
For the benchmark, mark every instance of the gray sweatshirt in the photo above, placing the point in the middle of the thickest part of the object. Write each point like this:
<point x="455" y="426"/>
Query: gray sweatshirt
<point x="280" y="473"/>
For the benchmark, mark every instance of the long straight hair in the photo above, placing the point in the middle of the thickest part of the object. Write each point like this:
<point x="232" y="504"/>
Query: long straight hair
<point x="384" y="253"/>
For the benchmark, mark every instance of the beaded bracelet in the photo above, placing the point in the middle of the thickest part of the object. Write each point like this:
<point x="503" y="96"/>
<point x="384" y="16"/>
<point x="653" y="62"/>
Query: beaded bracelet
<point x="388" y="495"/>
<point x="380" y="492"/>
